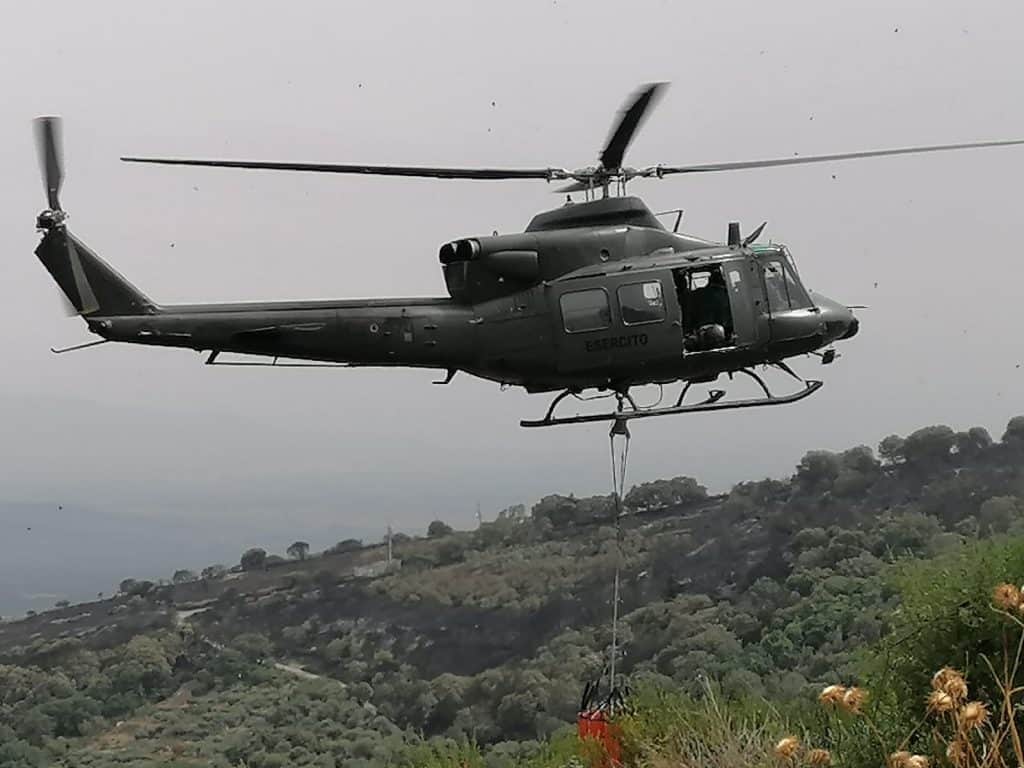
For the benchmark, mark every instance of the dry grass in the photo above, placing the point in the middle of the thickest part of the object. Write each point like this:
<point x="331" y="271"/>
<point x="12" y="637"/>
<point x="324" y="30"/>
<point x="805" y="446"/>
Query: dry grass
<point x="681" y="733"/>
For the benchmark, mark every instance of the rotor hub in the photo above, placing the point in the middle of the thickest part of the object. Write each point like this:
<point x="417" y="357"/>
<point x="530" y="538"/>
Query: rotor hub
<point x="50" y="219"/>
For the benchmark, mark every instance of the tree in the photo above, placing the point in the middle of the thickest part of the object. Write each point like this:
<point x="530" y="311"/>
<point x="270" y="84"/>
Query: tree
<point x="449" y="692"/>
<point x="901" y="532"/>
<point x="557" y="511"/>
<point x="142" y="666"/>
<point x="860" y="469"/>
<point x="594" y="509"/>
<point x="494" y="533"/>
<point x="347" y="545"/>
<point x="817" y="471"/>
<point x="891" y="449"/>
<point x="132" y="587"/>
<point x="70" y="713"/>
<point x="298" y="550"/>
<point x="453" y="550"/>
<point x="929" y="448"/>
<point x="661" y="494"/>
<point x="438" y="528"/>
<point x="336" y="650"/>
<point x="1014" y="434"/>
<point x="860" y="458"/>
<point x="253" y="646"/>
<point x="809" y="538"/>
<point x="214" y="571"/>
<point x="972" y="443"/>
<point x="184" y="576"/>
<point x="997" y="514"/>
<point x="254" y="559"/>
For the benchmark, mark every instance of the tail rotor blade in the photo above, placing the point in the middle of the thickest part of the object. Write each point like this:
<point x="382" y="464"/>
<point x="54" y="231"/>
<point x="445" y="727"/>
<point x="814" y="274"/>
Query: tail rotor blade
<point x="85" y="295"/>
<point x="51" y="157"/>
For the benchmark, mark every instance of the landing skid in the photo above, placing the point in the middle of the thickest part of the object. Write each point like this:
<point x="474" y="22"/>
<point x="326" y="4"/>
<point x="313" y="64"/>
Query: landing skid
<point x="628" y="409"/>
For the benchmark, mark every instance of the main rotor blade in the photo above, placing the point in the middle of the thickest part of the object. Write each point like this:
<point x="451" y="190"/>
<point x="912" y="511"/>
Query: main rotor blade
<point x="576" y="186"/>
<point x="51" y="157"/>
<point x="666" y="170"/>
<point x="630" y="120"/>
<point x="377" y="170"/>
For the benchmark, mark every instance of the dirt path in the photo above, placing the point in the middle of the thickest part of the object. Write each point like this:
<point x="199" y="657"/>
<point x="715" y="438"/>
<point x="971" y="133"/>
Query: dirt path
<point x="300" y="672"/>
<point x="292" y="669"/>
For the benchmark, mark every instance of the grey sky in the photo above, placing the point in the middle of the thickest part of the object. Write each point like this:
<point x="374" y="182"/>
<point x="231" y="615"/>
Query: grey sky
<point x="153" y="432"/>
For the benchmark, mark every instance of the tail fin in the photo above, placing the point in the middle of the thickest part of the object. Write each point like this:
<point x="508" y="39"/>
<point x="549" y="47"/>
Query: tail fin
<point x="93" y="287"/>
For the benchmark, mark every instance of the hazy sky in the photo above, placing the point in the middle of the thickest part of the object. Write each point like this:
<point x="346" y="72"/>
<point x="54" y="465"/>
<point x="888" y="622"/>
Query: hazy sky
<point x="930" y="242"/>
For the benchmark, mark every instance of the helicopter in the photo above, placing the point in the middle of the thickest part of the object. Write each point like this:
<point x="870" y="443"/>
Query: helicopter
<point x="595" y="295"/>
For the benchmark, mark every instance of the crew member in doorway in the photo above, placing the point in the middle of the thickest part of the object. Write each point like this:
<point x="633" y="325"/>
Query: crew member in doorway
<point x="711" y="324"/>
<point x="715" y="303"/>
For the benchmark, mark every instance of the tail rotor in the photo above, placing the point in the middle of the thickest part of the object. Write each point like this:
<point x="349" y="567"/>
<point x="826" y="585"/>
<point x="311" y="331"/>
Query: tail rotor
<point x="58" y="250"/>
<point x="49" y="146"/>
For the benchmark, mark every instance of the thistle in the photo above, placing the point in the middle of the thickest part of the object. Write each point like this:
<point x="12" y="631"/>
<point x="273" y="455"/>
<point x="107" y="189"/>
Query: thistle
<point x="939" y="702"/>
<point x="957" y="753"/>
<point x="950" y="682"/>
<point x="832" y="695"/>
<point x="787" y="747"/>
<point x="819" y="758"/>
<point x="854" y="699"/>
<point x="1007" y="597"/>
<point x="973" y="715"/>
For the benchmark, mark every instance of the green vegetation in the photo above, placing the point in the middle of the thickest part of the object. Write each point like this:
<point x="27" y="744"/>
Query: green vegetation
<point x="736" y="611"/>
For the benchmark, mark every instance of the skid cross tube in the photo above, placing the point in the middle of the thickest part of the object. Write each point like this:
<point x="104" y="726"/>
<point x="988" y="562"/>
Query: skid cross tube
<point x="713" y="403"/>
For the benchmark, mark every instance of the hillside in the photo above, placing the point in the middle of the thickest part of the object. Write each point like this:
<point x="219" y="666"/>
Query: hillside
<point x="488" y="636"/>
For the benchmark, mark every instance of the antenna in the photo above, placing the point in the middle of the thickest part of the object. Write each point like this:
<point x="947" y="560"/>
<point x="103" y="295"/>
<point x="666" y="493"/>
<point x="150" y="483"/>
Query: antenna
<point x="389" y="544"/>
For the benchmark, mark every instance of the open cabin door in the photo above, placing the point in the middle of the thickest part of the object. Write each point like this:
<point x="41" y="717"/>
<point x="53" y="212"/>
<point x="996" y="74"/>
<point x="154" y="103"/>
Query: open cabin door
<point x="746" y="301"/>
<point x="722" y="305"/>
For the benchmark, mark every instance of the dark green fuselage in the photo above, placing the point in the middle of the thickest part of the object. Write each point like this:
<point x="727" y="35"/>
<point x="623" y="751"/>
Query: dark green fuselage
<point x="505" y="319"/>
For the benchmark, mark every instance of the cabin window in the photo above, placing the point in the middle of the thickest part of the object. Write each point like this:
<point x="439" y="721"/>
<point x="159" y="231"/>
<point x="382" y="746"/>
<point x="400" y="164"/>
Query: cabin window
<point x="784" y="290"/>
<point x="641" y="303"/>
<point x="585" y="310"/>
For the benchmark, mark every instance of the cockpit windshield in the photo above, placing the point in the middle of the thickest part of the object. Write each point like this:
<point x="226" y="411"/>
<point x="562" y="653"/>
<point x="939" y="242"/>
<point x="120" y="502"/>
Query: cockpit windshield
<point x="784" y="289"/>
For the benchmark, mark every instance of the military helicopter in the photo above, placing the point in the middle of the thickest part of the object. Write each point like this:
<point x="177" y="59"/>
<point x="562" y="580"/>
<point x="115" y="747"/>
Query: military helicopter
<point x="594" y="295"/>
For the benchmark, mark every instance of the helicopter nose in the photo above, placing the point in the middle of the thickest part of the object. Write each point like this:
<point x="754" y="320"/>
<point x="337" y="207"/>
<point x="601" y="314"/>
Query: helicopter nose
<point x="852" y="330"/>
<point x="839" y="320"/>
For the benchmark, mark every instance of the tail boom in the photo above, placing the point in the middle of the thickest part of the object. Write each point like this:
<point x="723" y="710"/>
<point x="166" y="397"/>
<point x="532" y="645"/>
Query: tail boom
<point x="414" y="332"/>
<point x="427" y="333"/>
